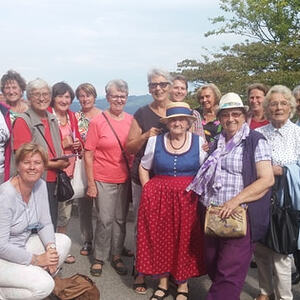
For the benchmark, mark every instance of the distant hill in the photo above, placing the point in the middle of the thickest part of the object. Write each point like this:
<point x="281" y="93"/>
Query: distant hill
<point x="133" y="103"/>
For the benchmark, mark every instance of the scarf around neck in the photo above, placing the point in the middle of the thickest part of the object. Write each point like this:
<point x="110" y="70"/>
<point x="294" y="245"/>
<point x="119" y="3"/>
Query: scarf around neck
<point x="208" y="179"/>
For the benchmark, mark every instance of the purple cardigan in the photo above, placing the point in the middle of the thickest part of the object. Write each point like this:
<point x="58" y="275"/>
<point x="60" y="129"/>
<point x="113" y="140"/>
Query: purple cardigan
<point x="259" y="211"/>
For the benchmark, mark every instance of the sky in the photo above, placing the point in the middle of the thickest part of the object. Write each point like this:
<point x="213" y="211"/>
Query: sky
<point x="99" y="40"/>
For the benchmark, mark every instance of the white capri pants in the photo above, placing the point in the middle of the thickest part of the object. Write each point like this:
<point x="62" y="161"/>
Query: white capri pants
<point x="30" y="282"/>
<point x="274" y="272"/>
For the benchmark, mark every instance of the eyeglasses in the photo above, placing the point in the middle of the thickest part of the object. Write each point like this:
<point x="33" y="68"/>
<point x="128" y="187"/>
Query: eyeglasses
<point x="39" y="95"/>
<point x="276" y="103"/>
<point x="116" y="97"/>
<point x="234" y="114"/>
<point x="154" y="85"/>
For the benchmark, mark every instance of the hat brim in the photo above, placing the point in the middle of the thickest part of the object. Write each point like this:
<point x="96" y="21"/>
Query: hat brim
<point x="166" y="119"/>
<point x="245" y="108"/>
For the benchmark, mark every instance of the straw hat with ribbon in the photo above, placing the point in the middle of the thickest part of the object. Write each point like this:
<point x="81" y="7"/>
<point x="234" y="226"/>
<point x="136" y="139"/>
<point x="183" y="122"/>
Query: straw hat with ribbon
<point x="178" y="109"/>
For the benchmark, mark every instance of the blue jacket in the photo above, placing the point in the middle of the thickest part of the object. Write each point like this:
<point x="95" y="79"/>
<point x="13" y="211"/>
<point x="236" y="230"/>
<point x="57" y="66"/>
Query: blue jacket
<point x="293" y="178"/>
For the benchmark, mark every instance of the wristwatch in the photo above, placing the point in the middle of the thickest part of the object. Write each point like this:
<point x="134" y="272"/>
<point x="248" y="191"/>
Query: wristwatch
<point x="51" y="246"/>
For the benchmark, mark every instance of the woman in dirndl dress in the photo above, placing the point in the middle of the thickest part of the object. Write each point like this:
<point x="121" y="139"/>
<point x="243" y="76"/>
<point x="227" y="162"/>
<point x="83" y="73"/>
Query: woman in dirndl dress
<point x="170" y="237"/>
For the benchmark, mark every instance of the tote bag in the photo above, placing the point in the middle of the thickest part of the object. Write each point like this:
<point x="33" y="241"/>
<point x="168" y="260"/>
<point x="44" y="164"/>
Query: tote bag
<point x="282" y="236"/>
<point x="79" y="180"/>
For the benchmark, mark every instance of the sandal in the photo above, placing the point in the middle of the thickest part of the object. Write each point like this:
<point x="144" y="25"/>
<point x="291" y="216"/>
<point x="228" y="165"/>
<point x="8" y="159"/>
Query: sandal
<point x="140" y="287"/>
<point x="119" y="266"/>
<point x="185" y="294"/>
<point x="165" y="294"/>
<point x="86" y="249"/>
<point x="70" y="259"/>
<point x="96" y="271"/>
<point x="127" y="252"/>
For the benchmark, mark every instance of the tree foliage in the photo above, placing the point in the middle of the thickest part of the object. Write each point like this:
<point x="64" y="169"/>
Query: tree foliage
<point x="273" y="59"/>
<point x="270" y="21"/>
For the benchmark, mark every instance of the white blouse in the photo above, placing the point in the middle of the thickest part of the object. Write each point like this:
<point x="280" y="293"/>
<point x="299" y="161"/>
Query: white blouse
<point x="284" y="142"/>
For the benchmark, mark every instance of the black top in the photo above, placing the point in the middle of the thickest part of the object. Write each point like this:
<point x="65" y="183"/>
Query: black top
<point x="146" y="118"/>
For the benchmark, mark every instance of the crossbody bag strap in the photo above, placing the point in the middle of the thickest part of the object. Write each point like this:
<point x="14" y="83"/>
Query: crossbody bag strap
<point x="39" y="129"/>
<point x="122" y="149"/>
<point x="287" y="202"/>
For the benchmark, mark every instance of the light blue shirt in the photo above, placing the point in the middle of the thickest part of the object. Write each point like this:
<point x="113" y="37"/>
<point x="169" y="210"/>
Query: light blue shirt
<point x="17" y="217"/>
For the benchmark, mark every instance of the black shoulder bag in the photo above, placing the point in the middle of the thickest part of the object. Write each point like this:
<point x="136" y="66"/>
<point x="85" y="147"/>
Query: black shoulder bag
<point x="129" y="193"/>
<point x="64" y="189"/>
<point x="283" y="232"/>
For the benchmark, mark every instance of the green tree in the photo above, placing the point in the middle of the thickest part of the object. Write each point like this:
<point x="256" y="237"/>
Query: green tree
<point x="269" y="21"/>
<point x="274" y="58"/>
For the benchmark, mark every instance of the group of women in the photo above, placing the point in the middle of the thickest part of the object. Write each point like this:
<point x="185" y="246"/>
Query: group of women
<point x="40" y="139"/>
<point x="180" y="161"/>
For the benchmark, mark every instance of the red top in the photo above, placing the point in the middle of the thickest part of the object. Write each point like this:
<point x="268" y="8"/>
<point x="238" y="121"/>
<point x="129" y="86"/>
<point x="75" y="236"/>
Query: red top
<point x="254" y="124"/>
<point x="108" y="165"/>
<point x="73" y="121"/>
<point x="22" y="134"/>
<point x="4" y="109"/>
<point x="71" y="128"/>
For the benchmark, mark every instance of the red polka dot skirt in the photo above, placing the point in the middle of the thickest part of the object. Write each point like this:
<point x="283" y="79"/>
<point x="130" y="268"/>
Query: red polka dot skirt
<point x="170" y="237"/>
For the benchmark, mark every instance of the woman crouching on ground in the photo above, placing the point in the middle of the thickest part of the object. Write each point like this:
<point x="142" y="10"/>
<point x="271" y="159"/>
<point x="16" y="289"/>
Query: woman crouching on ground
<point x="30" y="252"/>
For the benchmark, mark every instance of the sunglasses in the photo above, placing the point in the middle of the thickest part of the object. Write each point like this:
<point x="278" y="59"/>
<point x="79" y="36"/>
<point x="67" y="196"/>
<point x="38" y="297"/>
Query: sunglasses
<point x="162" y="85"/>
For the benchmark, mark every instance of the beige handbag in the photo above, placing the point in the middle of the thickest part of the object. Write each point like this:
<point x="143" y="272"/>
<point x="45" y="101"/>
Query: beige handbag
<point x="233" y="227"/>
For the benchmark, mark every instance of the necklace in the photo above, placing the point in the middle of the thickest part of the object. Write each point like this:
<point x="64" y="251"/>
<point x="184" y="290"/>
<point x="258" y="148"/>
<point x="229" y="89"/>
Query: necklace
<point x="178" y="148"/>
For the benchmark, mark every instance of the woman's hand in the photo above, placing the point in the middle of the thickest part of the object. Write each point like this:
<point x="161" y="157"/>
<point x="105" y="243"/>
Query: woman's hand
<point x="228" y="208"/>
<point x="277" y="170"/>
<point x="153" y="131"/>
<point x="49" y="258"/>
<point x="76" y="145"/>
<point x="52" y="269"/>
<point x="205" y="147"/>
<point x="92" y="191"/>
<point x="58" y="164"/>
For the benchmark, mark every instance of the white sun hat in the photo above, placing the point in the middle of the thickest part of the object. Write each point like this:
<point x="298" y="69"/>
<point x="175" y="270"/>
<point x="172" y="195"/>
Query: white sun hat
<point x="231" y="100"/>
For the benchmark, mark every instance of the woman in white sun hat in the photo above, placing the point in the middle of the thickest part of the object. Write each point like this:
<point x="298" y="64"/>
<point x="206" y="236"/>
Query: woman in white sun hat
<point x="237" y="172"/>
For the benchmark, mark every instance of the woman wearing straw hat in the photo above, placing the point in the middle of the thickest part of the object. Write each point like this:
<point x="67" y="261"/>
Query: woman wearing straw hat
<point x="237" y="172"/>
<point x="169" y="233"/>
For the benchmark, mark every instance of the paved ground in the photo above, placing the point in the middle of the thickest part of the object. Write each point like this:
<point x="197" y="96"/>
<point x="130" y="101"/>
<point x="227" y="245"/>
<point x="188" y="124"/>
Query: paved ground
<point x="114" y="287"/>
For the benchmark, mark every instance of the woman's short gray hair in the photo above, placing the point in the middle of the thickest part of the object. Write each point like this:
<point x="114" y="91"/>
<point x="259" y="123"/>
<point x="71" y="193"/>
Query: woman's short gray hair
<point x="285" y="92"/>
<point x="120" y="84"/>
<point x="159" y="72"/>
<point x="296" y="91"/>
<point x="37" y="84"/>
